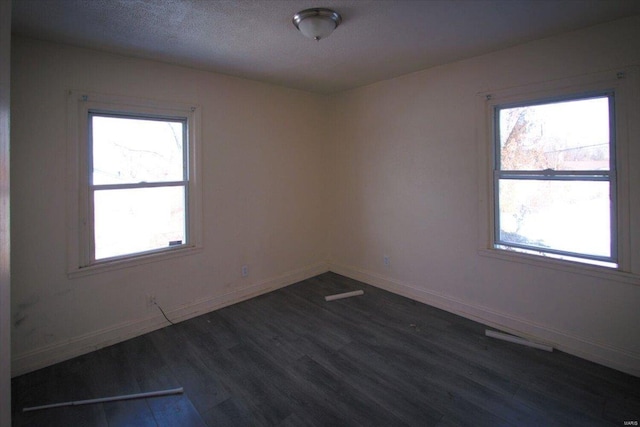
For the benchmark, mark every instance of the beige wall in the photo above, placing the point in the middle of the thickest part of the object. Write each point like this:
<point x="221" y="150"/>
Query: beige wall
<point x="396" y="176"/>
<point x="264" y="157"/>
<point x="407" y="168"/>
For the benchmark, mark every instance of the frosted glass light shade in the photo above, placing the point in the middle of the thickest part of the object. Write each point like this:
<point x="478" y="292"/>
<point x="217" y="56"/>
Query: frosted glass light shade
<point x="316" y="27"/>
<point x="316" y="23"/>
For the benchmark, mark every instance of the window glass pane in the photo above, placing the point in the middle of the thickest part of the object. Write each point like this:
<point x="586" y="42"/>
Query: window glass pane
<point x="136" y="220"/>
<point x="569" y="135"/>
<point x="571" y="216"/>
<point x="134" y="150"/>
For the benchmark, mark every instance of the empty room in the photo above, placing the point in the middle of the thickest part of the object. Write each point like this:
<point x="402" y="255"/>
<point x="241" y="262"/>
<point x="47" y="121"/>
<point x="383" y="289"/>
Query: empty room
<point x="339" y="213"/>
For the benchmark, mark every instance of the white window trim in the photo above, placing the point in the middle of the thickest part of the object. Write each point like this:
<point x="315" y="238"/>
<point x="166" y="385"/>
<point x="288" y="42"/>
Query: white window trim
<point x="79" y="104"/>
<point x="625" y="85"/>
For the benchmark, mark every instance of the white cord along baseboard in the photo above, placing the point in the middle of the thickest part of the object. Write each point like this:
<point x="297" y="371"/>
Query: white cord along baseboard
<point x="517" y="340"/>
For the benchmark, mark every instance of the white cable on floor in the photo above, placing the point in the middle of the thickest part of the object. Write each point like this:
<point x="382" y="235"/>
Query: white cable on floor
<point x="344" y="295"/>
<point x="108" y="399"/>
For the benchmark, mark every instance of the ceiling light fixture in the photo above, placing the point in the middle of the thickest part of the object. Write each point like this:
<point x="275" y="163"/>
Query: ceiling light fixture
<point x="317" y="23"/>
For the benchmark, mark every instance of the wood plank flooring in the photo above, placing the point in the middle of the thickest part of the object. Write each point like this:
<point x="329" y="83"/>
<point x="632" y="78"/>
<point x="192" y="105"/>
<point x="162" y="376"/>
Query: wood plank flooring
<point x="288" y="358"/>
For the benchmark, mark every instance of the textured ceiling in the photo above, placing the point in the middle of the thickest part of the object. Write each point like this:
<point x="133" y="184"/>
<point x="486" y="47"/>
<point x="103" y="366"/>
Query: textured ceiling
<point x="378" y="39"/>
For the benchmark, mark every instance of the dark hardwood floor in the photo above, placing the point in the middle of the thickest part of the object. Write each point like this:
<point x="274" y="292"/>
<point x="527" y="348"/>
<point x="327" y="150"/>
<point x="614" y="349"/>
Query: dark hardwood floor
<point x="288" y="358"/>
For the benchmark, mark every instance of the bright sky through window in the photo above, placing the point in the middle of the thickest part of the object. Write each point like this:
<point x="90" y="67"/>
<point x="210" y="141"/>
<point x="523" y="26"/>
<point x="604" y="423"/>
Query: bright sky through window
<point x="139" y="184"/>
<point x="553" y="179"/>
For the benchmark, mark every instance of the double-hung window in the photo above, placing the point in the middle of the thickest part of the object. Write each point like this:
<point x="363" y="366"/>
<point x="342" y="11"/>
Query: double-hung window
<point x="560" y="181"/>
<point x="138" y="183"/>
<point x="554" y="180"/>
<point x="135" y="175"/>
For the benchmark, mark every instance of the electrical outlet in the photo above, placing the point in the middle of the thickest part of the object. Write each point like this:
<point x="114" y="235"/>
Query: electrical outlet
<point x="245" y="270"/>
<point x="151" y="300"/>
<point x="386" y="260"/>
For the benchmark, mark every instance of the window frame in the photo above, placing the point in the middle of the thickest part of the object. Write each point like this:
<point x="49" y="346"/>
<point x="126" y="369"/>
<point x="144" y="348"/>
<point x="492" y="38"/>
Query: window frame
<point x="626" y="106"/>
<point x="82" y="106"/>
<point x="558" y="175"/>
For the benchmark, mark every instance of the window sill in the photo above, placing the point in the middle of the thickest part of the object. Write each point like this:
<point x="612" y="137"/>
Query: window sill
<point x="561" y="265"/>
<point x="132" y="262"/>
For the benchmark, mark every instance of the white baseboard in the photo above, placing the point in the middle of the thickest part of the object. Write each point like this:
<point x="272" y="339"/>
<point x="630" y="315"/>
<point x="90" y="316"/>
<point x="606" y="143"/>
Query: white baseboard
<point x="616" y="358"/>
<point x="60" y="351"/>
<point x="603" y="354"/>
